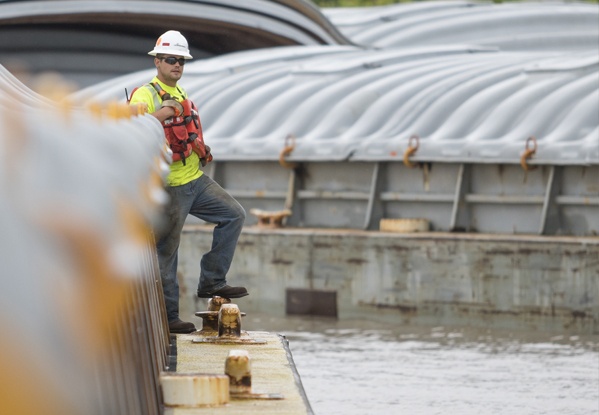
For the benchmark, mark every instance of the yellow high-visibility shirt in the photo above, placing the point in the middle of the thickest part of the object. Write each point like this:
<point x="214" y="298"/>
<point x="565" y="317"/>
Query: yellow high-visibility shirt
<point x="180" y="174"/>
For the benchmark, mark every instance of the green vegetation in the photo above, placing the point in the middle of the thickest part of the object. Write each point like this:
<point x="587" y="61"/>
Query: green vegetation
<point x="368" y="3"/>
<point x="355" y="3"/>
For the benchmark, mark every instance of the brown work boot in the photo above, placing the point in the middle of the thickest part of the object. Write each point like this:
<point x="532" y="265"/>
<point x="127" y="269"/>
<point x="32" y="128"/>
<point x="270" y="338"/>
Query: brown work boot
<point x="179" y="327"/>
<point x="226" y="292"/>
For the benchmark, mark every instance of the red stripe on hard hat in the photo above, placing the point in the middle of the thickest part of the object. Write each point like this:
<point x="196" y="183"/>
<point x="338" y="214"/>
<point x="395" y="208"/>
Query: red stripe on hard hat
<point x="166" y="44"/>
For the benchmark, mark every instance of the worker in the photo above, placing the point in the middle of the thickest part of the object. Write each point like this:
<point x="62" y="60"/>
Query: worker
<point x="190" y="190"/>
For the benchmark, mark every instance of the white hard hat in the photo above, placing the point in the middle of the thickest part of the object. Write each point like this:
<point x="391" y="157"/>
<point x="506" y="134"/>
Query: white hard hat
<point x="171" y="43"/>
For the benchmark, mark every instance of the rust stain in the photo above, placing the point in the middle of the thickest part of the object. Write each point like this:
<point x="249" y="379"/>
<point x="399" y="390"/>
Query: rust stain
<point x="404" y="309"/>
<point x="528" y="251"/>
<point x="500" y="252"/>
<point x="245" y="243"/>
<point x="356" y="261"/>
<point x="277" y="261"/>
<point x="318" y="245"/>
<point x="400" y="248"/>
<point x="503" y="312"/>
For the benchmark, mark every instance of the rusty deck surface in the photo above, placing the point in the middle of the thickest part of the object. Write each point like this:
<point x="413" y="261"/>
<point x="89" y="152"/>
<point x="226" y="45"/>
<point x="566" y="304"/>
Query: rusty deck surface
<point x="273" y="372"/>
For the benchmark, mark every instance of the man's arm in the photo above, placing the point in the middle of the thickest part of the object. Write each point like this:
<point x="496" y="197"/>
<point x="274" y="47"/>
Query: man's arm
<point x="163" y="113"/>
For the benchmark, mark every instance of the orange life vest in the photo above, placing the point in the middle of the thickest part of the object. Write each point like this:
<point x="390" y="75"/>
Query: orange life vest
<point x="183" y="133"/>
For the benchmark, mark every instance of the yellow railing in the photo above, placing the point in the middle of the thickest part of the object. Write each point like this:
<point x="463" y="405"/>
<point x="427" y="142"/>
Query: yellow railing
<point x="81" y="315"/>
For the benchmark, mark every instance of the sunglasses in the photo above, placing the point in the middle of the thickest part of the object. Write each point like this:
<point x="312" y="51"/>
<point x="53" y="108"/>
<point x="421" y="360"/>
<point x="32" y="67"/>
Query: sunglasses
<point x="171" y="60"/>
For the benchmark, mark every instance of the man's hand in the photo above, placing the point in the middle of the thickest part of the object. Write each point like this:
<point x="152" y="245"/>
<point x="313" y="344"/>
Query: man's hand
<point x="175" y="105"/>
<point x="207" y="158"/>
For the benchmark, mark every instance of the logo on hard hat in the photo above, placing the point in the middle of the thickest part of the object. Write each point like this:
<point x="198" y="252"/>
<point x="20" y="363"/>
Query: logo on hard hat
<point x="171" y="42"/>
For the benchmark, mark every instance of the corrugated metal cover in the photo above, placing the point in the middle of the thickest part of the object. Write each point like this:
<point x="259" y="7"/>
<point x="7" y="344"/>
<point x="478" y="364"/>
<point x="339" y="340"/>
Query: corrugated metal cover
<point x="510" y="26"/>
<point x="91" y="41"/>
<point x="465" y="103"/>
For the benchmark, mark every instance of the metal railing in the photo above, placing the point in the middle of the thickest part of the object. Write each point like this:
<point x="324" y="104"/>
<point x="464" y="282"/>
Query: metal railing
<point x="83" y="323"/>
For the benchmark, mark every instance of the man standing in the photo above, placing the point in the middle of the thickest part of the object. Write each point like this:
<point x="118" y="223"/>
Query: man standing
<point x="190" y="191"/>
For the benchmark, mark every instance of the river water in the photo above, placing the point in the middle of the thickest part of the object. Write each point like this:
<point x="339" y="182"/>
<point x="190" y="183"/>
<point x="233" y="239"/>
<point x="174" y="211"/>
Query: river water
<point x="363" y="368"/>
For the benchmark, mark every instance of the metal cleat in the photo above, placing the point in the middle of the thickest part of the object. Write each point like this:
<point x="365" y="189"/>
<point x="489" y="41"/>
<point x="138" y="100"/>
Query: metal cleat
<point x="194" y="390"/>
<point x="210" y="317"/>
<point x="238" y="369"/>
<point x="228" y="327"/>
<point x="270" y="219"/>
